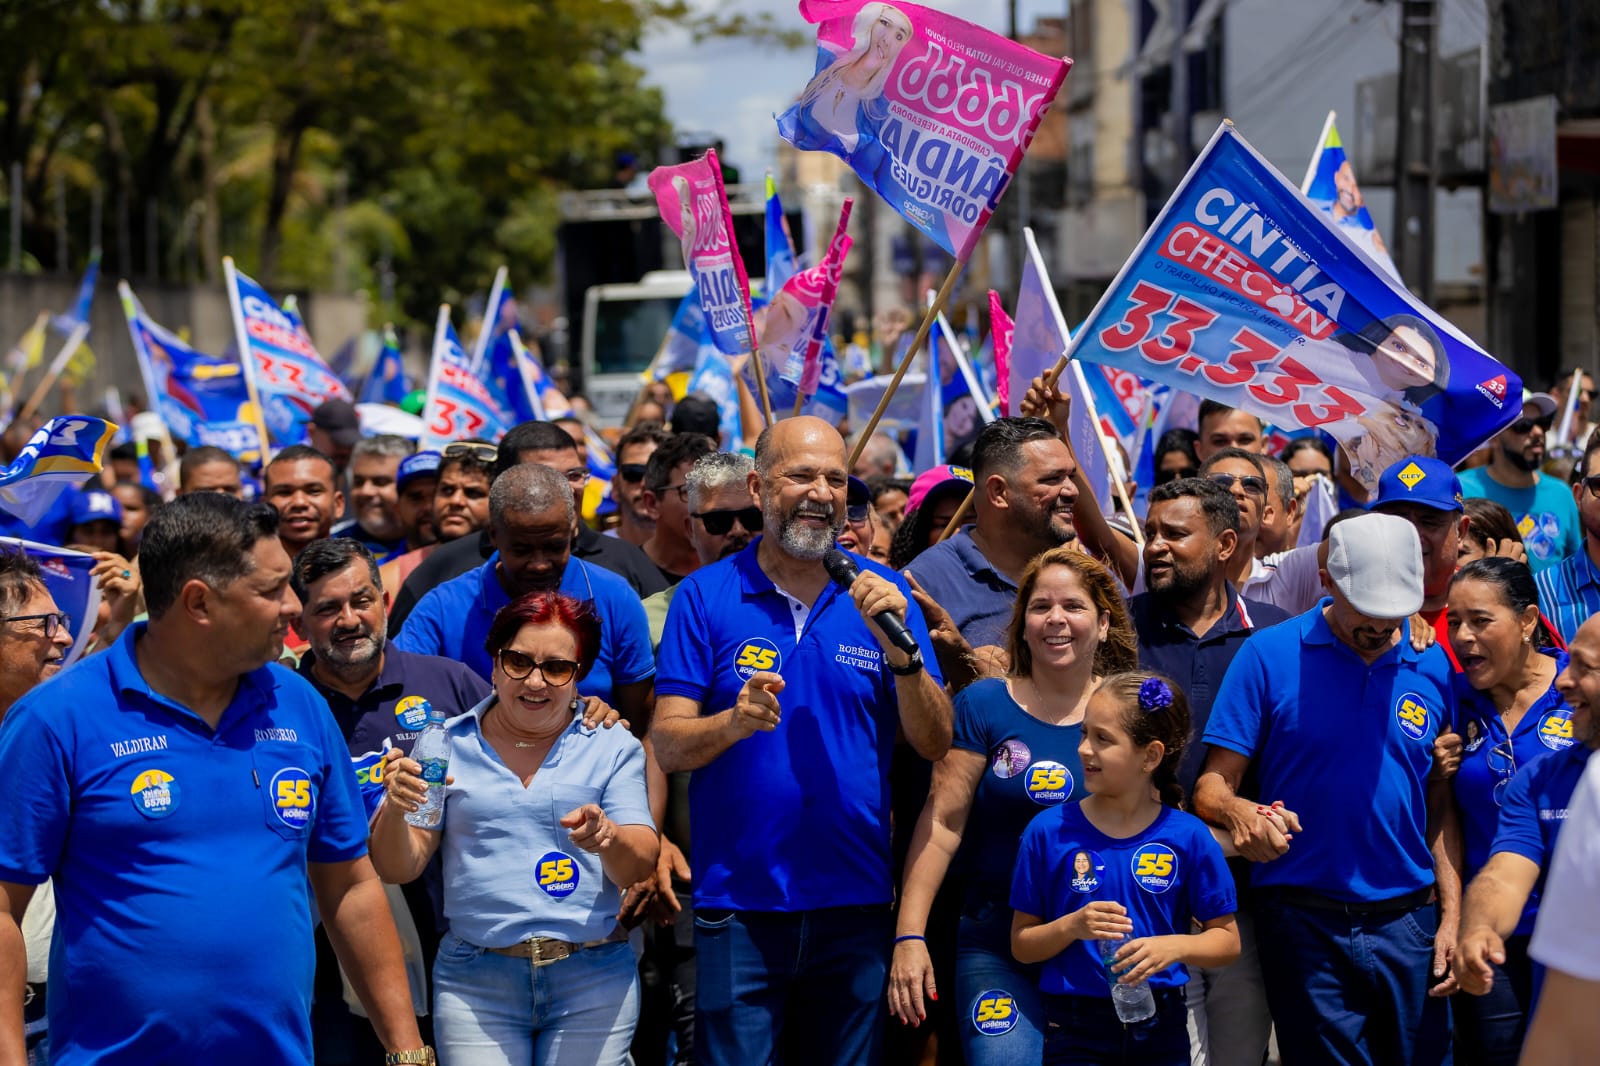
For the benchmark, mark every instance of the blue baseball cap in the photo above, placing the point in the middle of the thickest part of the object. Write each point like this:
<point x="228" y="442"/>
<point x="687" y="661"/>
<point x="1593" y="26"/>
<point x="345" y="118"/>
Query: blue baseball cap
<point x="95" y="505"/>
<point x="422" y="464"/>
<point x="1420" y="479"/>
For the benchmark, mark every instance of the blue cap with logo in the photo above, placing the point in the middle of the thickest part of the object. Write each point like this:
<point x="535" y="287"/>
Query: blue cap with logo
<point x="1420" y="479"/>
<point x="95" y="505"/>
<point x="422" y="464"/>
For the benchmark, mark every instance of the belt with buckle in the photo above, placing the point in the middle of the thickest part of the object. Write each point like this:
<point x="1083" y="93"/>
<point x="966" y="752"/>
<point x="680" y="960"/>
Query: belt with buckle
<point x="543" y="950"/>
<point x="1301" y="897"/>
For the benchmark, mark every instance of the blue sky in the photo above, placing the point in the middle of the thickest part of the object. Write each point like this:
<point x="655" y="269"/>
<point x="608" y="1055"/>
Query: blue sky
<point x="733" y="88"/>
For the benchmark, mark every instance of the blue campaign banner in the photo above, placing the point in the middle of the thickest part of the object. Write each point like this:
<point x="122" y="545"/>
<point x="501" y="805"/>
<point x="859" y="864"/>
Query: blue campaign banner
<point x="59" y="456"/>
<point x="202" y="398"/>
<point x="291" y="378"/>
<point x="828" y="402"/>
<point x="387" y="381"/>
<point x="680" y="350"/>
<point x="459" y="404"/>
<point x="1330" y="183"/>
<point x="713" y="379"/>
<point x="1243" y="292"/>
<point x="66" y="575"/>
<point x="78" y="314"/>
<point x="781" y="265"/>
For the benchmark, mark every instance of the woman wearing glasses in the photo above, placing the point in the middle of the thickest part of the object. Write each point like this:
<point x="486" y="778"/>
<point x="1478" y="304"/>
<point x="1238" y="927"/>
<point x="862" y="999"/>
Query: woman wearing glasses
<point x="1509" y="715"/>
<point x="543" y="820"/>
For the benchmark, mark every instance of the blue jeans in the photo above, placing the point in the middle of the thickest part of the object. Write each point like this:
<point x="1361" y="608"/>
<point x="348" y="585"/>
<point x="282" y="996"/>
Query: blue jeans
<point x="494" y="1010"/>
<point x="997" y="997"/>
<point x="1490" y="1028"/>
<point x="1352" y="989"/>
<point x="803" y="987"/>
<point x="1085" y="1031"/>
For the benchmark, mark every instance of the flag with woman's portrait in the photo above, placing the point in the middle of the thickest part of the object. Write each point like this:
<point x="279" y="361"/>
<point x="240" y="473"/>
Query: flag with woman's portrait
<point x="931" y="111"/>
<point x="694" y="205"/>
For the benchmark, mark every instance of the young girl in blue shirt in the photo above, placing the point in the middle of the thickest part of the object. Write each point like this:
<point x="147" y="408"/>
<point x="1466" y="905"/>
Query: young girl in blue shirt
<point x="1121" y="863"/>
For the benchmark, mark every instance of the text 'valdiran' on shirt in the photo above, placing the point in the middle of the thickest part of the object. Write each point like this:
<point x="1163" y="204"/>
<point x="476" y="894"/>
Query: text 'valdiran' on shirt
<point x="798" y="818"/>
<point x="1166" y="877"/>
<point x="1030" y="766"/>
<point x="183" y="917"/>
<point x="453" y="620"/>
<point x="1344" y="745"/>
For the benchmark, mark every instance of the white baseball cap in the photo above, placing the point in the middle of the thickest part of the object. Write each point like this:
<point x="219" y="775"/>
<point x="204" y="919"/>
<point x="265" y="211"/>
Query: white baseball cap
<point x="1375" y="561"/>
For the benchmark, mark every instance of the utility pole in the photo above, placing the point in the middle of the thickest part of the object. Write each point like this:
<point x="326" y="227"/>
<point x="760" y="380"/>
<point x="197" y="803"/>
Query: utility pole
<point x="1414" y="158"/>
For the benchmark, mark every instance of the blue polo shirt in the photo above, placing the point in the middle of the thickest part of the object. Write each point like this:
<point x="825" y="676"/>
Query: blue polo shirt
<point x="453" y="619"/>
<point x="1490" y="759"/>
<point x="1197" y="664"/>
<point x="173" y="849"/>
<point x="1569" y="592"/>
<point x="1346" y="746"/>
<point x="1533" y="813"/>
<point x="390" y="713"/>
<point x="798" y="818"/>
<point x="1030" y="767"/>
<point x="960" y="578"/>
<point x="1167" y="876"/>
<point x="510" y="869"/>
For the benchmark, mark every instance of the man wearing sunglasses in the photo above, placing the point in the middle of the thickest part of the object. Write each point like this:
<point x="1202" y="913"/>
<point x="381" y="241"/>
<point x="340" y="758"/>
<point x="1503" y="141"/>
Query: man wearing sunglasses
<point x="666" y="500"/>
<point x="634" y="523"/>
<point x="179" y="783"/>
<point x="785" y="699"/>
<point x="1288" y="579"/>
<point x="1544" y="509"/>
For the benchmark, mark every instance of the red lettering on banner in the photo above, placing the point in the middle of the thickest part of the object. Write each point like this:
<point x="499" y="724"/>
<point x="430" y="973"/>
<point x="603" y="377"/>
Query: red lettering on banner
<point x="278" y="337"/>
<point x="1197" y="250"/>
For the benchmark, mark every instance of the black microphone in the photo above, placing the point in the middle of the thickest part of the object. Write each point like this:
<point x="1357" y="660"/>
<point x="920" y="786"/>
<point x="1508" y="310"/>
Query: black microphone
<point x="844" y="573"/>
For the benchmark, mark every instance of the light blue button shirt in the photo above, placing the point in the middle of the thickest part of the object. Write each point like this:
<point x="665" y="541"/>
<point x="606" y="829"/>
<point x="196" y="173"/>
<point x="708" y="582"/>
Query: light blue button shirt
<point x="510" y="871"/>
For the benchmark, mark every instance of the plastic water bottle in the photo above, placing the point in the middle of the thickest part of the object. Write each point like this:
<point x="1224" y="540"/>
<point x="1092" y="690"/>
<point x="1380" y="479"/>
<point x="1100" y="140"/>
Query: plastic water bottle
<point x="432" y="750"/>
<point x="1134" y="1003"/>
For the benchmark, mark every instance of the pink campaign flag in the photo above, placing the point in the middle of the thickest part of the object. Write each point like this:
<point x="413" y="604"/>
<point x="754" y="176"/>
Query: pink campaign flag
<point x="1000" y="330"/>
<point x="694" y="205"/>
<point x="796" y="327"/>
<point x="933" y="112"/>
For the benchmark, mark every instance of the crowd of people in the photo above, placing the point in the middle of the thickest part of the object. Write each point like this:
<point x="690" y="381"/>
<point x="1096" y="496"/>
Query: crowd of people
<point x="718" y="794"/>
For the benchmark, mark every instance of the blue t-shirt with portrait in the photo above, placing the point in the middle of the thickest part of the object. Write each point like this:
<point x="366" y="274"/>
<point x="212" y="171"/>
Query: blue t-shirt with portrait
<point x="1490" y="759"/>
<point x="1167" y="877"/>
<point x="1546" y="514"/>
<point x="1533" y="813"/>
<point x="1031" y="766"/>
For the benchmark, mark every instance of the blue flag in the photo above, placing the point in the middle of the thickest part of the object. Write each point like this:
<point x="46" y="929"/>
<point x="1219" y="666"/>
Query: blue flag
<point x="291" y="380"/>
<point x="713" y="379"/>
<point x="387" y="381"/>
<point x="459" y="405"/>
<point x="65" y="450"/>
<point x="1330" y="183"/>
<point x="781" y="265"/>
<point x="1243" y="292"/>
<point x="203" y="399"/>
<point x="930" y="425"/>
<point x="78" y="314"/>
<point x="67" y="576"/>
<point x="680" y="350"/>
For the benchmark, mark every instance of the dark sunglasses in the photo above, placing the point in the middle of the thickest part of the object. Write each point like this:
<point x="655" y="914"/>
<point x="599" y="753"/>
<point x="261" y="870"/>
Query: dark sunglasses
<point x="478" y="453"/>
<point x="718" y="523"/>
<point x="1525" y="425"/>
<point x="1255" y="486"/>
<point x="519" y="667"/>
<point x="631" y="472"/>
<point x="54" y="622"/>
<point x="1593" y="485"/>
<point x="1502" y="761"/>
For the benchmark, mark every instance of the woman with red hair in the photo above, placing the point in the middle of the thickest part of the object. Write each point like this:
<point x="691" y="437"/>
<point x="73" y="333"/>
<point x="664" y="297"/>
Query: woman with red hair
<point x="544" y="820"/>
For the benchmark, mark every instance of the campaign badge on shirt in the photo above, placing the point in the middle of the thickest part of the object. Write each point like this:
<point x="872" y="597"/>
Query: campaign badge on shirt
<point x="994" y="1013"/>
<point x="756" y="654"/>
<point x="1010" y="758"/>
<point x="1555" y="729"/>
<point x="1472" y="736"/>
<point x="292" y="798"/>
<point x="1088" y="870"/>
<point x="1049" y="783"/>
<point x="1155" y="867"/>
<point x="155" y="794"/>
<point x="556" y="874"/>
<point x="1412" y="714"/>
<point x="411" y="713"/>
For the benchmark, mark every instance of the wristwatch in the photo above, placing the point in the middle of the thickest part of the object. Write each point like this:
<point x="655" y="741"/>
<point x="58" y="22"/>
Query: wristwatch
<point x="912" y="666"/>
<point x="423" y="1056"/>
